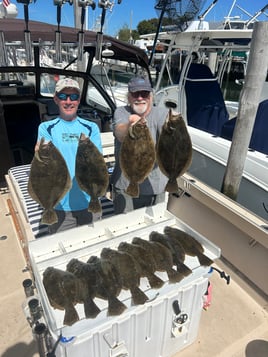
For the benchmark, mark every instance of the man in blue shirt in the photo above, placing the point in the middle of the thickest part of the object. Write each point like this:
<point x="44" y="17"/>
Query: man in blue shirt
<point x="64" y="132"/>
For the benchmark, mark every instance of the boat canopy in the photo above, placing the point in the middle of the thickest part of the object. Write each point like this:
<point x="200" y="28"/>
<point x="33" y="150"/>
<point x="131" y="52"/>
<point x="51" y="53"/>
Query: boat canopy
<point x="14" y="30"/>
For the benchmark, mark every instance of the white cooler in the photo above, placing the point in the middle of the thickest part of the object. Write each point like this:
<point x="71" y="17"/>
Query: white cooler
<point x="164" y="325"/>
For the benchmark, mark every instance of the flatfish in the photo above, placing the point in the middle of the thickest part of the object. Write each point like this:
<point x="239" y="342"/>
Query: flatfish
<point x="178" y="252"/>
<point x="108" y="284"/>
<point x="62" y="290"/>
<point x="174" y="150"/>
<point x="91" y="172"/>
<point x="191" y="246"/>
<point x="49" y="180"/>
<point x="145" y="262"/>
<point x="129" y="275"/>
<point x="87" y="277"/>
<point x="162" y="257"/>
<point x="137" y="157"/>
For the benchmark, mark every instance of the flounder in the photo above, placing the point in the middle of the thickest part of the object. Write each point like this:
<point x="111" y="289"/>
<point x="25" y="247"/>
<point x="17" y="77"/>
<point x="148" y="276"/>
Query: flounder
<point x="176" y="249"/>
<point x="129" y="274"/>
<point x="162" y="257"/>
<point x="191" y="246"/>
<point x="62" y="292"/>
<point x="91" y="172"/>
<point x="174" y="150"/>
<point x="86" y="274"/>
<point x="145" y="263"/>
<point x="137" y="157"/>
<point x="49" y="180"/>
<point x="108" y="284"/>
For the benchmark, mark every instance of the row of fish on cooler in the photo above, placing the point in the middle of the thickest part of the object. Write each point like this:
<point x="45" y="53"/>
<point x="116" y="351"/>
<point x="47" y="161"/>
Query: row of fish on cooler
<point x="172" y="152"/>
<point x="115" y="269"/>
<point x="49" y="178"/>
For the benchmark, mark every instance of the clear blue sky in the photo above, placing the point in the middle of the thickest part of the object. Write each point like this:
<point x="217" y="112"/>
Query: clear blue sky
<point x="131" y="12"/>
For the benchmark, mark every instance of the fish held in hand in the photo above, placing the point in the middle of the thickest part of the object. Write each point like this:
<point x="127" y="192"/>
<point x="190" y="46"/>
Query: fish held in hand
<point x="62" y="289"/>
<point x="91" y="172"/>
<point x="137" y="156"/>
<point x="174" y="150"/>
<point x="49" y="180"/>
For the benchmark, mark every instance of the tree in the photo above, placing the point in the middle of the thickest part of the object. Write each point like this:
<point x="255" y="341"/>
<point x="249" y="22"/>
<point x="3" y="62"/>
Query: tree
<point x="147" y="26"/>
<point x="124" y="34"/>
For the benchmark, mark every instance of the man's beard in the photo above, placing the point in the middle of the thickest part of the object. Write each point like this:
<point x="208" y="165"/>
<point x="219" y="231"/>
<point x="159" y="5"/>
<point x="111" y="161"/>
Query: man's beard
<point x="140" y="107"/>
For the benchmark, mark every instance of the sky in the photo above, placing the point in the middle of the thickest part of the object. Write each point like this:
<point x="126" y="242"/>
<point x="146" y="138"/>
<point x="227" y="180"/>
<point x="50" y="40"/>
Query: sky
<point x="130" y="12"/>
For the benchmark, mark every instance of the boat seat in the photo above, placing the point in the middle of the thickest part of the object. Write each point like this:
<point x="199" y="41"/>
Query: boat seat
<point x="206" y="109"/>
<point x="258" y="139"/>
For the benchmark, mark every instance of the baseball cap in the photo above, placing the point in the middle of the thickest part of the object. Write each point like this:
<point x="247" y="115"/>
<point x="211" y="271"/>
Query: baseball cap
<point x="66" y="83"/>
<point x="137" y="84"/>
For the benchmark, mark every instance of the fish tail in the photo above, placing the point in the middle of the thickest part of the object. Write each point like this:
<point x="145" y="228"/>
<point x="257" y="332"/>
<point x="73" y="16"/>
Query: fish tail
<point x="115" y="307"/>
<point x="174" y="276"/>
<point x="172" y="186"/>
<point x="155" y="282"/>
<point x="183" y="269"/>
<point x="138" y="296"/>
<point x="94" y="205"/>
<point x="204" y="260"/>
<point x="133" y="190"/>
<point x="49" y="217"/>
<point x="91" y="309"/>
<point x="70" y="316"/>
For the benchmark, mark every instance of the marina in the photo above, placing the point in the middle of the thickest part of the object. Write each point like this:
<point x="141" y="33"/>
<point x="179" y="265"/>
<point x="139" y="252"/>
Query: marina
<point x="218" y="310"/>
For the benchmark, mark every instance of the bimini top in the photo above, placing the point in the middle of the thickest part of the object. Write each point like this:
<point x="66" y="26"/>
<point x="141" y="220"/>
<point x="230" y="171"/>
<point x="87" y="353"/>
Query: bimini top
<point x="13" y="30"/>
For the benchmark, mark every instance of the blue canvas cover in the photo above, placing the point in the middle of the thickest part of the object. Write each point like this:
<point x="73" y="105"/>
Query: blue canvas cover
<point x="206" y="109"/>
<point x="258" y="139"/>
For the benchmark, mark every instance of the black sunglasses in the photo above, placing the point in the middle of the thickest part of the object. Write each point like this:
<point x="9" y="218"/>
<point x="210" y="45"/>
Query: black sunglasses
<point x="141" y="93"/>
<point x="63" y="96"/>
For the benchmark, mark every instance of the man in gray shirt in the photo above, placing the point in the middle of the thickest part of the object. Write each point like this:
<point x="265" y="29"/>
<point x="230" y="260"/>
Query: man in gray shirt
<point x="140" y="108"/>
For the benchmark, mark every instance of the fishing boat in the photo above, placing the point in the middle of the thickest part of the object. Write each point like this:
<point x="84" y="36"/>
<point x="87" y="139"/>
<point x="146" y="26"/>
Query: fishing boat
<point x="193" y="317"/>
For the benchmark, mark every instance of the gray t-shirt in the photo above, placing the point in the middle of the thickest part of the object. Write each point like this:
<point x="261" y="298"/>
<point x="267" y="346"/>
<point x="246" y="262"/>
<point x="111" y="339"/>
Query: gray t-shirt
<point x="155" y="183"/>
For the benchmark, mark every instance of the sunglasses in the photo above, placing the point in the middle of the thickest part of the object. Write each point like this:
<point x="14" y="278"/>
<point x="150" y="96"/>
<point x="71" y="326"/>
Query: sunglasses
<point x="63" y="96"/>
<point x="142" y="93"/>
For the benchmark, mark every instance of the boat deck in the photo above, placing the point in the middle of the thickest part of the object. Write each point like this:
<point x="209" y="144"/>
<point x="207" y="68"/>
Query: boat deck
<point x="236" y="323"/>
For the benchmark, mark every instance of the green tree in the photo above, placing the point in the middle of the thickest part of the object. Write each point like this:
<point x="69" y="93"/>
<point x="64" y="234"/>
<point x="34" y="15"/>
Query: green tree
<point x="124" y="34"/>
<point x="147" y="26"/>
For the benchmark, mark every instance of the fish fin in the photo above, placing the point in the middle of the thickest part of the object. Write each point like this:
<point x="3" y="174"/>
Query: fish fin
<point x="172" y="186"/>
<point x="138" y="296"/>
<point x="155" y="282"/>
<point x="182" y="268"/>
<point x="133" y="189"/>
<point x="91" y="309"/>
<point x="174" y="276"/>
<point x="49" y="217"/>
<point x="115" y="307"/>
<point x="70" y="316"/>
<point x="94" y="205"/>
<point x="204" y="260"/>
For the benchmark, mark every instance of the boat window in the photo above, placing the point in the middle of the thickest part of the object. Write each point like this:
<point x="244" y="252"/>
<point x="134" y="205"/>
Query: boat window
<point x="48" y="82"/>
<point x="17" y="84"/>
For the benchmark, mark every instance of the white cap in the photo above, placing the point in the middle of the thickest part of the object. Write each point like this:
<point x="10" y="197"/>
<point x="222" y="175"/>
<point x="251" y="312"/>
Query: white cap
<point x="66" y="83"/>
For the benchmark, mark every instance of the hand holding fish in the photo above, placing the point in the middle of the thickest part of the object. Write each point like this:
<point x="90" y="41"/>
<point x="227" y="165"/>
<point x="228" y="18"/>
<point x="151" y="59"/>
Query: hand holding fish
<point x="135" y="118"/>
